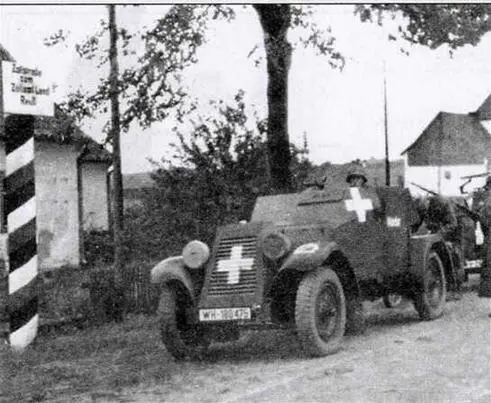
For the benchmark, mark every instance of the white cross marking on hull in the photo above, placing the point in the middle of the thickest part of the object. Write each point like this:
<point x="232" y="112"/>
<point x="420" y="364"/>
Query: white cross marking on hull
<point x="358" y="205"/>
<point x="235" y="264"/>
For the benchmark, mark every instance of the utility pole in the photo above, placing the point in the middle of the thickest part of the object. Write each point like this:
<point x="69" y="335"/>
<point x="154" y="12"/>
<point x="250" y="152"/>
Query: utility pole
<point x="117" y="191"/>
<point x="386" y="131"/>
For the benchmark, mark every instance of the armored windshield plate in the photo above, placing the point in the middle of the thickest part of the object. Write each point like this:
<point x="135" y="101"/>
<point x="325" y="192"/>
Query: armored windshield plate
<point x="312" y="196"/>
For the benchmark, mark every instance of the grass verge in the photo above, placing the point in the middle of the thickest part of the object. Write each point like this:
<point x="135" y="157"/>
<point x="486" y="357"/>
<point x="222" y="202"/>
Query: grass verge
<point x="109" y="357"/>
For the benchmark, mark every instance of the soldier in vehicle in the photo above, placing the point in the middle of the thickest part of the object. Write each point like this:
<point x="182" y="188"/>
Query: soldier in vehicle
<point x="357" y="177"/>
<point x="481" y="197"/>
<point x="483" y="209"/>
<point x="441" y="216"/>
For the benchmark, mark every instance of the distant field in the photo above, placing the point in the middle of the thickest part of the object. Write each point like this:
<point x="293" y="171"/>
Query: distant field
<point x="336" y="173"/>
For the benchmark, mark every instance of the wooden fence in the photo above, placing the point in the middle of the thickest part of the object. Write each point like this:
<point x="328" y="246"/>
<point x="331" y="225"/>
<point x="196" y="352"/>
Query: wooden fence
<point x="70" y="294"/>
<point x="141" y="296"/>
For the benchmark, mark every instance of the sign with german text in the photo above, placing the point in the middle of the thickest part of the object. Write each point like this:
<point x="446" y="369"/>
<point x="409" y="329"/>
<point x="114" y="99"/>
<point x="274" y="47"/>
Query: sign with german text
<point x="25" y="91"/>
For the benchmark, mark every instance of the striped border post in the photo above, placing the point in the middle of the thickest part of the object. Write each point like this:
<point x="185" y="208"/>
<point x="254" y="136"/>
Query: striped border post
<point x="20" y="216"/>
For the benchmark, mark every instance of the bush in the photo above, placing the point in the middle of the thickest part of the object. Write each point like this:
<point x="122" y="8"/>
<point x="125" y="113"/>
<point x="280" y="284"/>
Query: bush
<point x="98" y="248"/>
<point x="222" y="167"/>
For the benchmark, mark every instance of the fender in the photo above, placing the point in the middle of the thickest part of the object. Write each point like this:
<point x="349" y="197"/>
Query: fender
<point x="173" y="269"/>
<point x="419" y="248"/>
<point x="309" y="256"/>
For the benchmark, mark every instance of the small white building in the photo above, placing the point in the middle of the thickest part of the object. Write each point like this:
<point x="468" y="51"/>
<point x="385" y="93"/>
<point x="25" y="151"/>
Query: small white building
<point x="72" y="187"/>
<point x="453" y="145"/>
<point x="72" y="190"/>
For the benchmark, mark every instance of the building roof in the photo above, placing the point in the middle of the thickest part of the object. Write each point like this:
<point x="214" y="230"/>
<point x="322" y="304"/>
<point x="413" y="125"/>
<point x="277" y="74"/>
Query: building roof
<point x="95" y="152"/>
<point x="61" y="129"/>
<point x="450" y="139"/>
<point x="58" y="128"/>
<point x="484" y="111"/>
<point x="5" y="55"/>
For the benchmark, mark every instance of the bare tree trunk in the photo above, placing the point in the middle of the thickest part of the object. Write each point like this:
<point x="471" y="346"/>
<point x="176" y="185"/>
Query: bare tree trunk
<point x="117" y="195"/>
<point x="275" y="21"/>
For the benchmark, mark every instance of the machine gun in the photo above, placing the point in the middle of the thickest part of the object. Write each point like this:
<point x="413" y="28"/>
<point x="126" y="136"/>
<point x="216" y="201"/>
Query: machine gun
<point x="474" y="216"/>
<point x="474" y="176"/>
<point x="469" y="179"/>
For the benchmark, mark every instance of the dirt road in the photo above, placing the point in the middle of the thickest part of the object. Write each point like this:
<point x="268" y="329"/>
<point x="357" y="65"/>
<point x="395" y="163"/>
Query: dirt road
<point x="399" y="359"/>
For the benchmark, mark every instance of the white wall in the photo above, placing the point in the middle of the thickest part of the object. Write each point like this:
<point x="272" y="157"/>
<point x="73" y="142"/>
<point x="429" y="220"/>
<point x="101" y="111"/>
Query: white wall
<point x="445" y="179"/>
<point x="57" y="205"/>
<point x="95" y="197"/>
<point x="487" y="125"/>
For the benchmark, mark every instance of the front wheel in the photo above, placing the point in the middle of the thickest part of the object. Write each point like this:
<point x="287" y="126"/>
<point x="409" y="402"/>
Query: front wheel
<point x="182" y="339"/>
<point x="320" y="312"/>
<point x="430" y="300"/>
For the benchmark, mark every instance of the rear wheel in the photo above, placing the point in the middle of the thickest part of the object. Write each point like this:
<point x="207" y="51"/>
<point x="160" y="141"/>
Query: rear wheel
<point x="392" y="300"/>
<point x="320" y="312"/>
<point x="182" y="339"/>
<point x="430" y="301"/>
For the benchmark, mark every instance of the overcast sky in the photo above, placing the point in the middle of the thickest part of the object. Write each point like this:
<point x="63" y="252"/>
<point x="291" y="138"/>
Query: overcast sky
<point x="341" y="112"/>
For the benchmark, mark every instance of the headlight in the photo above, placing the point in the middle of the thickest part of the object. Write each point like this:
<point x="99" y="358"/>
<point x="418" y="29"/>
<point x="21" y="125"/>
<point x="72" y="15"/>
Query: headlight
<point x="276" y="246"/>
<point x="195" y="254"/>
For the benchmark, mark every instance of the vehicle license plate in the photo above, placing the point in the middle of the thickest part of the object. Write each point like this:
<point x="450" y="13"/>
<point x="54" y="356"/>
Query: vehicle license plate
<point x="473" y="264"/>
<point x="218" y="314"/>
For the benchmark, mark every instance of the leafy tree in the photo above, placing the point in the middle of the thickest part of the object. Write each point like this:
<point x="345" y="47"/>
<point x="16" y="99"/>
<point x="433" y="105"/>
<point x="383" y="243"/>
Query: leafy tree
<point x="275" y="22"/>
<point x="150" y="84"/>
<point x="433" y="25"/>
<point x="153" y="88"/>
<point x="222" y="169"/>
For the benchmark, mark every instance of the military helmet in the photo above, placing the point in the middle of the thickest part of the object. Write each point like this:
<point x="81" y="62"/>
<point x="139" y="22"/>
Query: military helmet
<point x="357" y="171"/>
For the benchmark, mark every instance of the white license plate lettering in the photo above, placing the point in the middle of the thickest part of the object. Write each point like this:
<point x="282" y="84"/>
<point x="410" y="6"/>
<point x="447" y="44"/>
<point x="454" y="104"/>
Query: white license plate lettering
<point x="210" y="315"/>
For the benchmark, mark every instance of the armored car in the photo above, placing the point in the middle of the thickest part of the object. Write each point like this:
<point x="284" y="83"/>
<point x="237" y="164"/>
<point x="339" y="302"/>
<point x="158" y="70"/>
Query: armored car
<point x="305" y="261"/>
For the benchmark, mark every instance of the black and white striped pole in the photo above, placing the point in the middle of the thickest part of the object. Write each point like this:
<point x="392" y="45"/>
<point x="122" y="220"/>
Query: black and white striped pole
<point x="20" y="214"/>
